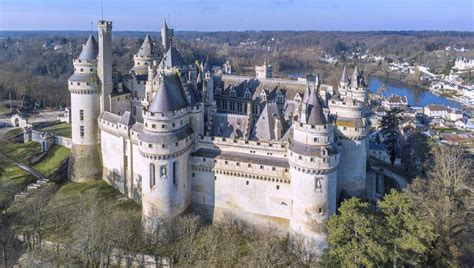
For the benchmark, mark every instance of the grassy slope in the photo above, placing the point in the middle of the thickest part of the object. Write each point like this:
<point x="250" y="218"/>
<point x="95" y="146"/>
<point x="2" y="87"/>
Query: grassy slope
<point x="53" y="160"/>
<point x="62" y="129"/>
<point x="70" y="194"/>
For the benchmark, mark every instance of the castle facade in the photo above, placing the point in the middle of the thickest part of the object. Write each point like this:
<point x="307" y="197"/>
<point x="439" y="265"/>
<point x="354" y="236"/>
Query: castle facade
<point x="175" y="136"/>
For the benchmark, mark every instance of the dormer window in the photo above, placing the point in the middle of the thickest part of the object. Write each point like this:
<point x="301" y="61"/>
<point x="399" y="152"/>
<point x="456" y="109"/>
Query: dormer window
<point x="248" y="95"/>
<point x="218" y="90"/>
<point x="233" y="93"/>
<point x="280" y="98"/>
<point x="263" y="95"/>
<point x="298" y="97"/>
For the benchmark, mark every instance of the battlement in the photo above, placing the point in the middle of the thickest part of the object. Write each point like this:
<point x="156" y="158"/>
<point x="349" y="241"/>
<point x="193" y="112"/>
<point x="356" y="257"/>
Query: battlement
<point x="105" y="24"/>
<point x="346" y="103"/>
<point x="84" y="62"/>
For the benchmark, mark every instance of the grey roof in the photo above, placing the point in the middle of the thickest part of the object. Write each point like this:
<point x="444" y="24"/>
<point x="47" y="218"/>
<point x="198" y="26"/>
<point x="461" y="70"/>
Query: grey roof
<point x="240" y="84"/>
<point x="170" y="96"/>
<point x="172" y="58"/>
<point x="137" y="127"/>
<point x="344" y="77"/>
<point x="264" y="128"/>
<point x="191" y="93"/>
<point x="167" y="137"/>
<point x="355" y="78"/>
<point x="243" y="157"/>
<point x="111" y="117"/>
<point x="146" y="50"/>
<point x="226" y="124"/>
<point x="84" y="77"/>
<point x="89" y="50"/>
<point x="306" y="150"/>
<point x="127" y="119"/>
<point x="314" y="110"/>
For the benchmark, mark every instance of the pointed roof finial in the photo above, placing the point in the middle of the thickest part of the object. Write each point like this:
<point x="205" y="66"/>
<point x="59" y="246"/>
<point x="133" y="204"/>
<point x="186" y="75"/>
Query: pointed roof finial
<point x="165" y="26"/>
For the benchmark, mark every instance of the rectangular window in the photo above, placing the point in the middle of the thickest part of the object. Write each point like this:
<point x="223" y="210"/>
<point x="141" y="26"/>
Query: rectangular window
<point x="152" y="175"/>
<point x="81" y="129"/>
<point x="175" y="173"/>
<point x="81" y="115"/>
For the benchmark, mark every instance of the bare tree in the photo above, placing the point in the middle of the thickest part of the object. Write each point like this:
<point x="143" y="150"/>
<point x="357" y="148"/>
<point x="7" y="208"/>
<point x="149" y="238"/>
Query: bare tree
<point x="445" y="198"/>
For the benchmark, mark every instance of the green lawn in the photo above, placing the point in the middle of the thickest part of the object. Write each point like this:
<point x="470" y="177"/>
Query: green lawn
<point x="53" y="160"/>
<point x="62" y="129"/>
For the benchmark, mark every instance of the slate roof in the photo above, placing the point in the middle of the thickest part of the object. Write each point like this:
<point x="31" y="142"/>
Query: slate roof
<point x="243" y="157"/>
<point x="111" y="117"/>
<point x="127" y="119"/>
<point x="306" y="150"/>
<point x="192" y="94"/>
<point x="172" y="58"/>
<point x="255" y="86"/>
<point x="146" y="50"/>
<point x="264" y="128"/>
<point x="225" y="125"/>
<point x="84" y="77"/>
<point x="344" y="77"/>
<point x="167" y="137"/>
<point x="170" y="96"/>
<point x="89" y="50"/>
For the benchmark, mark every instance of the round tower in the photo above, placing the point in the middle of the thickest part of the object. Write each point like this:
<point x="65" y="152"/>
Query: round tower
<point x="144" y="57"/>
<point x="351" y="132"/>
<point x="85" y="161"/>
<point x="313" y="157"/>
<point x="165" y="145"/>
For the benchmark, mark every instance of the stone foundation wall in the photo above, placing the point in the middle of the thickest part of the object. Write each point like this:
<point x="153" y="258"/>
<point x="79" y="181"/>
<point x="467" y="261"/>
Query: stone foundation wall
<point x="85" y="163"/>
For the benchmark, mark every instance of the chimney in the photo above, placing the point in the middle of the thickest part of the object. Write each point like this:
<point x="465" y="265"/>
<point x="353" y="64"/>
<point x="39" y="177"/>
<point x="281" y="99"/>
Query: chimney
<point x="278" y="128"/>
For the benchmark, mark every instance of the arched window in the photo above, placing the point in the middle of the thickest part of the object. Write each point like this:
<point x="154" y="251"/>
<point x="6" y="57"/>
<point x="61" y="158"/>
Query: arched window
<point x="152" y="175"/>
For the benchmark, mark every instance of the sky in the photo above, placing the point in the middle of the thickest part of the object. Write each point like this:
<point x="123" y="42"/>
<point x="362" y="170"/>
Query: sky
<point x="238" y="15"/>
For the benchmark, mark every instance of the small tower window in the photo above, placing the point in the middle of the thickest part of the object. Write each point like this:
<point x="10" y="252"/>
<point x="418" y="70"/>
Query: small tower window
<point x="278" y="187"/>
<point x="81" y="130"/>
<point x="152" y="175"/>
<point x="81" y="115"/>
<point x="175" y="173"/>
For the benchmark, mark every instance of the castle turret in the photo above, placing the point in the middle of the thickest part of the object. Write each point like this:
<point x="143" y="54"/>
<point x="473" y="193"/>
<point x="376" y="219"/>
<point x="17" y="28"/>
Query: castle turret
<point x="165" y="145"/>
<point x="313" y="157"/>
<point x="85" y="161"/>
<point x="144" y="57"/>
<point x="344" y="82"/>
<point x="351" y="132"/>
<point x="166" y="35"/>
<point x="104" y="68"/>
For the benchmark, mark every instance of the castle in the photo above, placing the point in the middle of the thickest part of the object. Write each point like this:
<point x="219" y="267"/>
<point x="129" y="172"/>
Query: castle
<point x="175" y="136"/>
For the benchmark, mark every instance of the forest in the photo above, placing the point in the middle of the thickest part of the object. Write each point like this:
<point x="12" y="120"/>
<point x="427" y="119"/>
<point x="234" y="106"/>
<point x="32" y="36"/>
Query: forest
<point x="38" y="64"/>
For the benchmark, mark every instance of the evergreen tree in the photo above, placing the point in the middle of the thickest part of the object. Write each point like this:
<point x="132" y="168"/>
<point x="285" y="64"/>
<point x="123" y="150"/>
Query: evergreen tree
<point x="415" y="153"/>
<point x="408" y="236"/>
<point x="389" y="125"/>
<point x="355" y="237"/>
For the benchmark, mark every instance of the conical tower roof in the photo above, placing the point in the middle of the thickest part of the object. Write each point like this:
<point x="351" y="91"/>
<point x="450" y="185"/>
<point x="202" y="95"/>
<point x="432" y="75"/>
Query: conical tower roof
<point x="355" y="77"/>
<point x="146" y="50"/>
<point x="89" y="50"/>
<point x="344" y="77"/>
<point x="165" y="26"/>
<point x="170" y="96"/>
<point x="316" y="115"/>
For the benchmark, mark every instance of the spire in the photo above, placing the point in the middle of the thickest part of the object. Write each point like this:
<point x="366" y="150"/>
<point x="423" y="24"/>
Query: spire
<point x="312" y="111"/>
<point x="355" y="78"/>
<point x="344" y="78"/>
<point x="165" y="26"/>
<point x="146" y="49"/>
<point x="89" y="50"/>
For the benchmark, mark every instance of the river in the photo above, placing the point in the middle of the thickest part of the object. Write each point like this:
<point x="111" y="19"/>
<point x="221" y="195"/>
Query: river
<point x="416" y="96"/>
